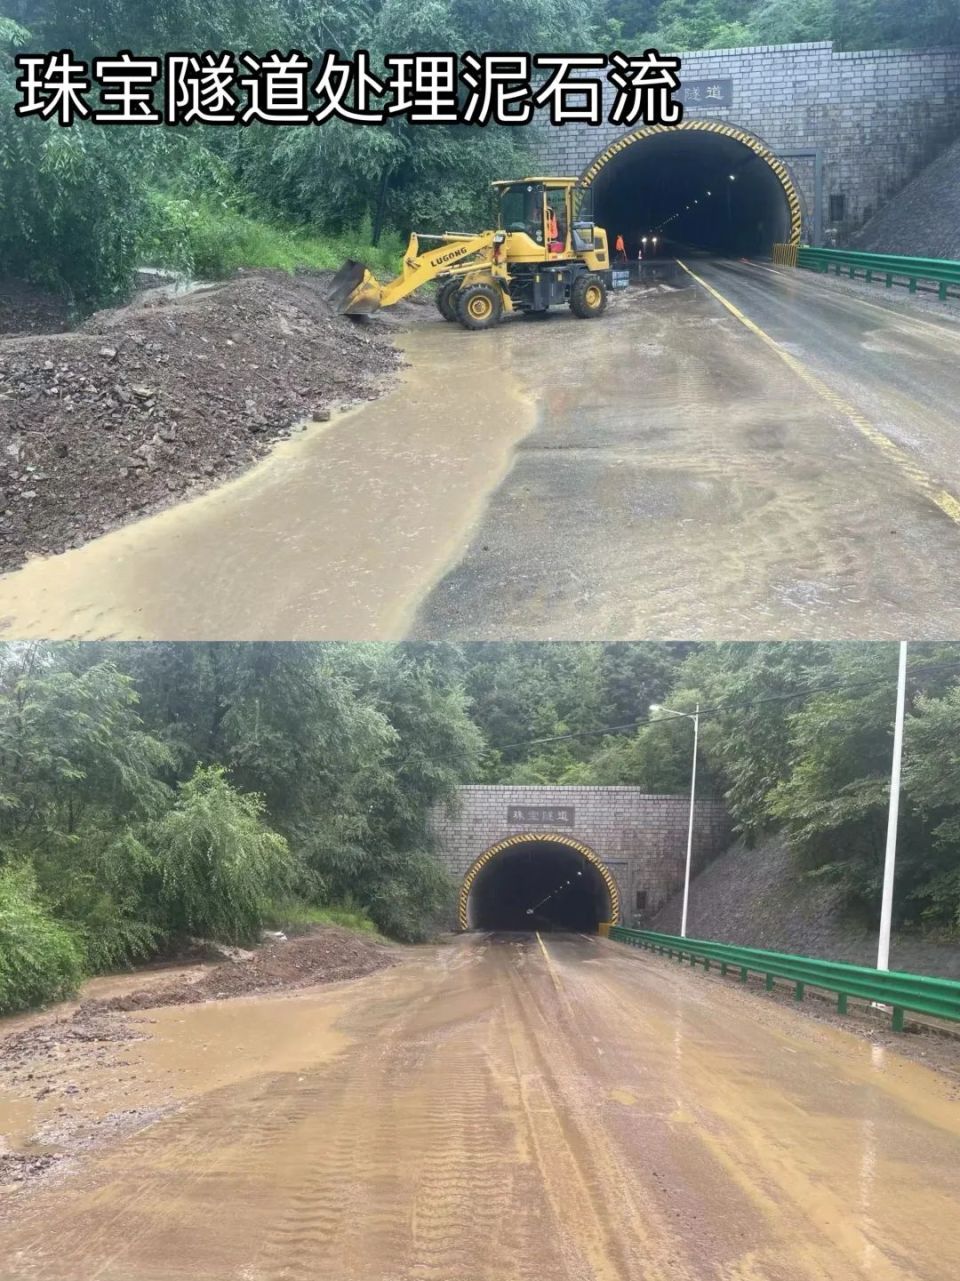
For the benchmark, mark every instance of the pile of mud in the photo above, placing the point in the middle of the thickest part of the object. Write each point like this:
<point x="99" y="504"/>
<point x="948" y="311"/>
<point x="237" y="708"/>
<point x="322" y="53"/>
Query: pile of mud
<point x="326" y="956"/>
<point x="143" y="405"/>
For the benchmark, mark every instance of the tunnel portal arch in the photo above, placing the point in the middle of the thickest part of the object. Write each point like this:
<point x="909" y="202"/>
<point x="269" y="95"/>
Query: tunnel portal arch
<point x="657" y="172"/>
<point x="469" y="912"/>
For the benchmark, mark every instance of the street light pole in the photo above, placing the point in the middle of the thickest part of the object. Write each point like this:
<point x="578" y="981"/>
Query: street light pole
<point x="890" y="857"/>
<point x="695" y="717"/>
<point x="693" y="799"/>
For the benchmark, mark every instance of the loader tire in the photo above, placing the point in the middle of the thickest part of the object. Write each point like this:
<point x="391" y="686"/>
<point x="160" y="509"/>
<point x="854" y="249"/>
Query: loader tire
<point x="588" y="296"/>
<point x="479" y="306"/>
<point x="447" y="299"/>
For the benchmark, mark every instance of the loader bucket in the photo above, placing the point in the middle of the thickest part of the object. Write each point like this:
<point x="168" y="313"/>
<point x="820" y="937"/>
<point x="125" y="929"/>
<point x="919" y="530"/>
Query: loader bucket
<point x="353" y="290"/>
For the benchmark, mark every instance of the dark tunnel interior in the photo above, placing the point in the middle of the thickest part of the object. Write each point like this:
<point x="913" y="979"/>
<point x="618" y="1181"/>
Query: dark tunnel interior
<point x="539" y="886"/>
<point x="692" y="189"/>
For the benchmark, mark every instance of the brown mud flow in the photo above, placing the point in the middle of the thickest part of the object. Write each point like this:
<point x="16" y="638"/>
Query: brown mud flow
<point x="506" y="1107"/>
<point x="336" y="535"/>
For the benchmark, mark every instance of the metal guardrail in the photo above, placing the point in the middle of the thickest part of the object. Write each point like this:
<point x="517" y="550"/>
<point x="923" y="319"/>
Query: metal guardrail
<point x="915" y="992"/>
<point x="924" y="274"/>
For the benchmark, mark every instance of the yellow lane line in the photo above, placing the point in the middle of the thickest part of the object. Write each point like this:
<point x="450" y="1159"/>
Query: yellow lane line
<point x="551" y="969"/>
<point x="941" y="498"/>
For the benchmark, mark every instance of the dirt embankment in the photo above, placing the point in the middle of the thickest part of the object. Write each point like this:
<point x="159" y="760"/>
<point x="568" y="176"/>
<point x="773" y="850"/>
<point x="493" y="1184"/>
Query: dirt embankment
<point x="55" y="1063"/>
<point x="922" y="220"/>
<point x="146" y="404"/>
<point x="758" y="898"/>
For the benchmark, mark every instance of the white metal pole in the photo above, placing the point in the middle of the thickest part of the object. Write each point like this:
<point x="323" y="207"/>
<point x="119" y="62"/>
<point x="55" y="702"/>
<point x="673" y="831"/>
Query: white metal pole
<point x="693" y="797"/>
<point x="889" y="863"/>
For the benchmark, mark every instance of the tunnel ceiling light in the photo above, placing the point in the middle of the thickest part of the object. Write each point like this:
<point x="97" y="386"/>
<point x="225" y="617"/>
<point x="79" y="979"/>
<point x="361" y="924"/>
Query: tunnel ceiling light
<point x="732" y="177"/>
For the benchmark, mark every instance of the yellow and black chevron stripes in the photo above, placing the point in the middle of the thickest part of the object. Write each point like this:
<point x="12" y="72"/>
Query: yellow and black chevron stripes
<point x="785" y="255"/>
<point x="527" y="838"/>
<point x="708" y="126"/>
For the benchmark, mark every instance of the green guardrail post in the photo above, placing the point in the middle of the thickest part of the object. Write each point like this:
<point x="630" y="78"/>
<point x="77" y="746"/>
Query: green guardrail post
<point x="723" y="969"/>
<point x="897" y="1021"/>
<point x="798" y="992"/>
<point x="913" y="285"/>
<point x="942" y="291"/>
<point x="744" y="973"/>
<point x="889" y="280"/>
<point x="841" y="1002"/>
<point x="769" y="983"/>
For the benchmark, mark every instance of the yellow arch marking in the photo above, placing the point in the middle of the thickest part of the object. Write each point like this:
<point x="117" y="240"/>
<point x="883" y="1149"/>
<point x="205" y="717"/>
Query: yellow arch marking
<point x="947" y="502"/>
<point x="708" y="126"/>
<point x="526" y="838"/>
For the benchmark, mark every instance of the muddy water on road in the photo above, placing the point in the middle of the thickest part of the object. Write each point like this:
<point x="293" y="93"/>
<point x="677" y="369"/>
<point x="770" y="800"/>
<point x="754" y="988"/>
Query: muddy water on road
<point x="501" y="1108"/>
<point x="335" y="536"/>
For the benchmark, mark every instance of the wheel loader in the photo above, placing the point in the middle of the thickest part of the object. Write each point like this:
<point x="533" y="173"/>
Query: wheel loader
<point x="544" y="252"/>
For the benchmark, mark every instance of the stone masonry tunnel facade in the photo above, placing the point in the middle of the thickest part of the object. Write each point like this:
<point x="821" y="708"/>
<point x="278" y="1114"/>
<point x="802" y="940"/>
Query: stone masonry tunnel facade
<point x="819" y="140"/>
<point x="569" y="857"/>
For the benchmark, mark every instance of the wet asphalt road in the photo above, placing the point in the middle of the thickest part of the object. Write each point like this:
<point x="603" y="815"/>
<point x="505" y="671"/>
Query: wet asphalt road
<point x="685" y="480"/>
<point x="509" y="1108"/>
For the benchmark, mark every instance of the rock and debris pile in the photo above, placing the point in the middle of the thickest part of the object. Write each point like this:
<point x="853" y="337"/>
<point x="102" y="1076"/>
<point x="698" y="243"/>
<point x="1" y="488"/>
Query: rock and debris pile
<point x="923" y="220"/>
<point x="21" y="1167"/>
<point x="26" y="1056"/>
<point x="326" y="956"/>
<point x="146" y="404"/>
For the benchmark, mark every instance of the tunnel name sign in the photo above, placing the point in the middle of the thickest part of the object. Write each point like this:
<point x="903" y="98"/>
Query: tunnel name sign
<point x="717" y="92"/>
<point x="555" y="815"/>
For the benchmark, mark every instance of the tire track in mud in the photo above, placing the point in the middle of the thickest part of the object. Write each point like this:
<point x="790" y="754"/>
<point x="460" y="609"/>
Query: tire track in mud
<point x="618" y="1232"/>
<point x="407" y="1171"/>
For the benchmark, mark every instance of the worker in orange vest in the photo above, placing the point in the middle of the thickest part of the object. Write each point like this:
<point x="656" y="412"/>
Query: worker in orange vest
<point x="620" y="249"/>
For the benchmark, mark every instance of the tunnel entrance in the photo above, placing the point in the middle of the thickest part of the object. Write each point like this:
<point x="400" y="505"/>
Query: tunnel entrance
<point x="538" y="881"/>
<point x="700" y="185"/>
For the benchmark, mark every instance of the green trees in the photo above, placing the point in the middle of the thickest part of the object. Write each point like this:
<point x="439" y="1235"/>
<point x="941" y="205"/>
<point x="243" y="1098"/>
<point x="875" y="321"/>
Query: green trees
<point x="72" y="201"/>
<point x="852" y="24"/>
<point x="39" y="959"/>
<point x="216" y="867"/>
<point x="104" y="856"/>
<point x="192" y="785"/>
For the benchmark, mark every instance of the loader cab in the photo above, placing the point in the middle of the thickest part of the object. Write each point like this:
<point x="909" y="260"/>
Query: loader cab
<point x="545" y="219"/>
